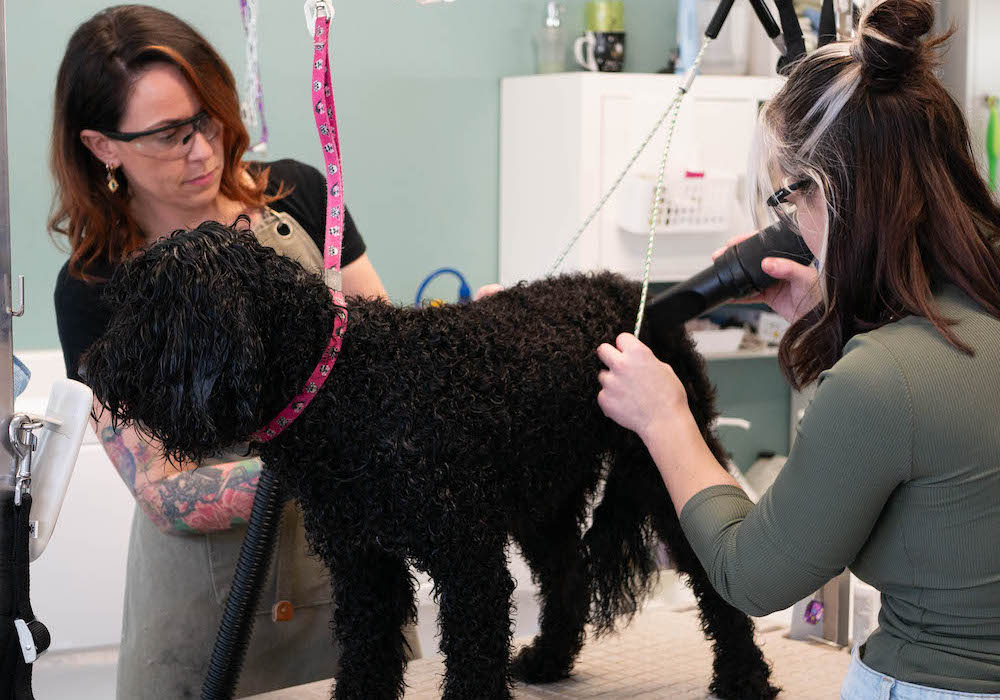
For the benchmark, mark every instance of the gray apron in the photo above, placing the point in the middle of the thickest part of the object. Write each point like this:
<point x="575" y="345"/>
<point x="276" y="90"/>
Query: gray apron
<point x="176" y="585"/>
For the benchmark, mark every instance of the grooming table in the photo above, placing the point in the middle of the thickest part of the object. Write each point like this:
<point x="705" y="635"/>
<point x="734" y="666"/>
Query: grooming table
<point x="662" y="655"/>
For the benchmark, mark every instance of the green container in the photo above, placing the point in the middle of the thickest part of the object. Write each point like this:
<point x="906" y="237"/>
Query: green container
<point x="605" y="16"/>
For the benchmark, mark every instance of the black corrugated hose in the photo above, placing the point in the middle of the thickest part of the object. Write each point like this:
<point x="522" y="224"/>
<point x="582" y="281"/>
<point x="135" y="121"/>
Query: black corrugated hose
<point x="251" y="570"/>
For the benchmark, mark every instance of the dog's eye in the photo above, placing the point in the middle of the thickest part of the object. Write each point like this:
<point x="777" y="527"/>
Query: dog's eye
<point x="283" y="229"/>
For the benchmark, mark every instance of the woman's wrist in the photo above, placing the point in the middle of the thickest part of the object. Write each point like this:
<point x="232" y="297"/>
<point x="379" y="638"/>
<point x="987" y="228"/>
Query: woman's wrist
<point x="679" y="425"/>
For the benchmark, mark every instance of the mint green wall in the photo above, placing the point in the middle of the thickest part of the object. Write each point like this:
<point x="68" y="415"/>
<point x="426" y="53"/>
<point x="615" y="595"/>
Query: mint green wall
<point x="418" y="101"/>
<point x="417" y="95"/>
<point x="753" y="389"/>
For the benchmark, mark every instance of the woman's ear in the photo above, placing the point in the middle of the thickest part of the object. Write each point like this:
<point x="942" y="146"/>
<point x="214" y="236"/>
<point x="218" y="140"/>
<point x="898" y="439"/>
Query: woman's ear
<point x="103" y="148"/>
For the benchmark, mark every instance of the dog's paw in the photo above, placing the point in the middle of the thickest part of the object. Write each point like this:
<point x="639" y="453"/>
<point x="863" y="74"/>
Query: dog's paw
<point x="535" y="665"/>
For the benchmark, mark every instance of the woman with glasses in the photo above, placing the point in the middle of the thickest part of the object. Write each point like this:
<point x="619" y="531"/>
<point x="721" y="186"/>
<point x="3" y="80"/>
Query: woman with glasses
<point x="147" y="139"/>
<point x="895" y="471"/>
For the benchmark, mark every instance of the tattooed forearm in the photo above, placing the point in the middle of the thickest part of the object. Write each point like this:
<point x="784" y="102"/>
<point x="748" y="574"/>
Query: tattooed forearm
<point x="181" y="498"/>
<point x="126" y="461"/>
<point x="206" y="499"/>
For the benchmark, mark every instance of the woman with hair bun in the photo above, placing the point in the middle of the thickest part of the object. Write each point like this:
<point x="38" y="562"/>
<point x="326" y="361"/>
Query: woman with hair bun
<point x="895" y="471"/>
<point x="147" y="138"/>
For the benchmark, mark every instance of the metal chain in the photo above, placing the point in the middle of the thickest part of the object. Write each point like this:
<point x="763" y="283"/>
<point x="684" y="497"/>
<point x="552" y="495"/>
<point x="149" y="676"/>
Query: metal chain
<point x="654" y="213"/>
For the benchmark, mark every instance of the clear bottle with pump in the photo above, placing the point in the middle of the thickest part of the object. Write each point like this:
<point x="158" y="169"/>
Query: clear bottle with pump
<point x="551" y="41"/>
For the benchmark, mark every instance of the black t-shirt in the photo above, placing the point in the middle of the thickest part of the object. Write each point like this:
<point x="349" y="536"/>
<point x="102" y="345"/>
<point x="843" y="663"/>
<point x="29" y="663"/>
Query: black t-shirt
<point x="82" y="315"/>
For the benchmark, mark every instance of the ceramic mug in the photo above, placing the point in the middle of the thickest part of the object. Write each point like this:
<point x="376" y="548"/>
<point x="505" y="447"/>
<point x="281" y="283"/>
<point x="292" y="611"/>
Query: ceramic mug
<point x="601" y="51"/>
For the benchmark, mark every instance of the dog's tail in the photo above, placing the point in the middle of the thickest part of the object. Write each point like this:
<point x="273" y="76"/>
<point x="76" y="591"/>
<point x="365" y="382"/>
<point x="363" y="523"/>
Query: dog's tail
<point x="619" y="546"/>
<point x="621" y="543"/>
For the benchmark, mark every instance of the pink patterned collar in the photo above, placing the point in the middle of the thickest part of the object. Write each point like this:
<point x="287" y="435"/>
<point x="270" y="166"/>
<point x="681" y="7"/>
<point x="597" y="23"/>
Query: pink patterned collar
<point x="316" y="380"/>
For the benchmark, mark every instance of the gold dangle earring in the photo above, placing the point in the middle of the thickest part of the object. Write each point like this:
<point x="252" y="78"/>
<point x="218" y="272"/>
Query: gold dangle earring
<point x="112" y="182"/>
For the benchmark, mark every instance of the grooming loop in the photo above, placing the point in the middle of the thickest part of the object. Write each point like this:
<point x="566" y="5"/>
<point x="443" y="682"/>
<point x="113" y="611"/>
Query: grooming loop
<point x="252" y="105"/>
<point x="325" y="115"/>
<point x="654" y="214"/>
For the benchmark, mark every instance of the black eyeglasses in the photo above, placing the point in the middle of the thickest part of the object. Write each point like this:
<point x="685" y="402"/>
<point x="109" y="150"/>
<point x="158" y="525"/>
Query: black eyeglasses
<point x="782" y="195"/>
<point x="170" y="141"/>
<point x="786" y="210"/>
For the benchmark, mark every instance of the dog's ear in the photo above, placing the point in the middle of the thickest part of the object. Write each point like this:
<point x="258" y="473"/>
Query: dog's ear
<point x="183" y="353"/>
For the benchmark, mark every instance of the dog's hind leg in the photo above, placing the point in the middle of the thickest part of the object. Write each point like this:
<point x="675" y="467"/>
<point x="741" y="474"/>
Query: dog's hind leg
<point x="740" y="671"/>
<point x="473" y="587"/>
<point x="554" y="551"/>
<point x="374" y="595"/>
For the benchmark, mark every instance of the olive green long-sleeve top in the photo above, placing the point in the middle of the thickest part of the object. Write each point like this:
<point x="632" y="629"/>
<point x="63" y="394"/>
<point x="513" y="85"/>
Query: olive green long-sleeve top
<point x="895" y="473"/>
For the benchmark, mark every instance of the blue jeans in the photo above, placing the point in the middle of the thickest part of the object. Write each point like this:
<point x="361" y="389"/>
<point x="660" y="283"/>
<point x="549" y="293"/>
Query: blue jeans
<point x="21" y="376"/>
<point x="862" y="683"/>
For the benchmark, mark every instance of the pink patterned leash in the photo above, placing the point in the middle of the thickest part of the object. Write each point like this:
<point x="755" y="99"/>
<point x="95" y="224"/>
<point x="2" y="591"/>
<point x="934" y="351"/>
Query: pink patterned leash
<point x="326" y="124"/>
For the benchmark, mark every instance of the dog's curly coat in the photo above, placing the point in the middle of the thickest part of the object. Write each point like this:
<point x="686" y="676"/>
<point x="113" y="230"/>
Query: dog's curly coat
<point x="441" y="433"/>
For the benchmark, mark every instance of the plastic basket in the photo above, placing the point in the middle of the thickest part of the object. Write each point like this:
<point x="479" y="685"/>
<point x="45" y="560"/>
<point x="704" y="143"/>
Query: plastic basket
<point x="687" y="204"/>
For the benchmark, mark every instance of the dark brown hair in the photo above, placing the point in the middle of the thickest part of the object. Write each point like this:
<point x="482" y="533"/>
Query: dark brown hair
<point x="907" y="210"/>
<point x="104" y="57"/>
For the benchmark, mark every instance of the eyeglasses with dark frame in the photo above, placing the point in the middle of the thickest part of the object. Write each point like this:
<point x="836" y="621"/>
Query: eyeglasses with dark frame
<point x="787" y="211"/>
<point x="171" y="144"/>
<point x="782" y="195"/>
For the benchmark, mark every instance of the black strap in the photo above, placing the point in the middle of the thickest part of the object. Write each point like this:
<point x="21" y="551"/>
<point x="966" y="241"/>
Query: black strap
<point x="766" y="18"/>
<point x="827" y="24"/>
<point x="794" y="42"/>
<point x="15" y="603"/>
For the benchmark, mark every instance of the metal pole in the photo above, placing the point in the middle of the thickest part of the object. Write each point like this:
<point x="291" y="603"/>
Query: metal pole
<point x="7" y="462"/>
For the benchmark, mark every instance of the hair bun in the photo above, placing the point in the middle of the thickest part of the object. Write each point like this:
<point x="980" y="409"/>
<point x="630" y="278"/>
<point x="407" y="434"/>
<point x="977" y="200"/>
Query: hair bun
<point x="889" y="44"/>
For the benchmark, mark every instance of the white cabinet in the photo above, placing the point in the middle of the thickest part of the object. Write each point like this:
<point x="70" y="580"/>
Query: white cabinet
<point x="565" y="138"/>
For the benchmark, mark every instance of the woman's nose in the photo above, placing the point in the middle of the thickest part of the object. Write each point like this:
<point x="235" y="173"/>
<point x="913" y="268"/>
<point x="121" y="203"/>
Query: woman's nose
<point x="201" y="148"/>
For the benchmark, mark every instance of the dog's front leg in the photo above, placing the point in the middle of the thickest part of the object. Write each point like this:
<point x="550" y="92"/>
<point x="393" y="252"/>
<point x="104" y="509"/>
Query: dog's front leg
<point x="374" y="596"/>
<point x="474" y="590"/>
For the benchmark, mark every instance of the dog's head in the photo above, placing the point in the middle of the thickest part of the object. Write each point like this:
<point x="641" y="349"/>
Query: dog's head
<point x="189" y="355"/>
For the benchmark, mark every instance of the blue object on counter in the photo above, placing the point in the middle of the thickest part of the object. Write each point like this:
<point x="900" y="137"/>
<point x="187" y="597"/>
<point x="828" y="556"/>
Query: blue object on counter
<point x="464" y="292"/>
<point x="21" y="376"/>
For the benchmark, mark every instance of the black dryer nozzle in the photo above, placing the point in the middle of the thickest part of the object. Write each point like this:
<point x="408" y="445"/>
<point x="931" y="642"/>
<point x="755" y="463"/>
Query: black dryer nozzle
<point x="734" y="274"/>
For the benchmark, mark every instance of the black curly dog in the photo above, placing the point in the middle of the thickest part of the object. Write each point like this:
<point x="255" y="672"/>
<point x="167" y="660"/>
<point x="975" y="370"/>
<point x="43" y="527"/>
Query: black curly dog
<point x="441" y="433"/>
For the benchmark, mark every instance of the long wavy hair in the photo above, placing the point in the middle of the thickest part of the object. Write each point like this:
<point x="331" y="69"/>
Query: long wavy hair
<point x="104" y="57"/>
<point x="869" y="123"/>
